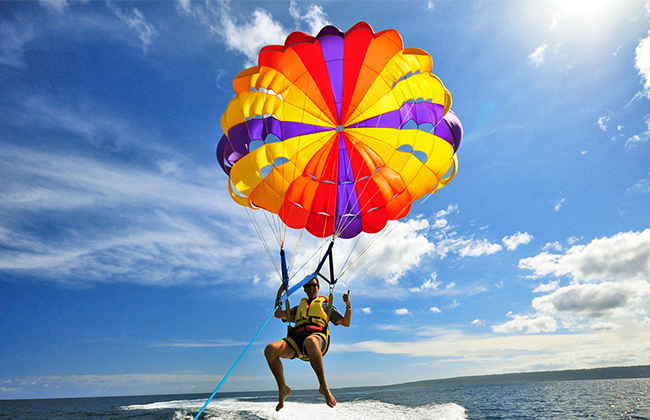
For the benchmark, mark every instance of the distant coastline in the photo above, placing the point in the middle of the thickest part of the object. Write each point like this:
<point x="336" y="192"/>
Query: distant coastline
<point x="623" y="372"/>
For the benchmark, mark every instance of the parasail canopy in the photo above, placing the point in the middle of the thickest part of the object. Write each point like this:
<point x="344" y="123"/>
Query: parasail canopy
<point x="339" y="133"/>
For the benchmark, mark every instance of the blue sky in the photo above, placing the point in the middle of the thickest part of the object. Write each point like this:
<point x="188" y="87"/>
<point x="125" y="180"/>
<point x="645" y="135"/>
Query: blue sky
<point x="125" y="267"/>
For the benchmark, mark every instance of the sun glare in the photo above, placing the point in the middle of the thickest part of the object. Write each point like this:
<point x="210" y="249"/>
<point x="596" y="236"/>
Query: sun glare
<point x="586" y="8"/>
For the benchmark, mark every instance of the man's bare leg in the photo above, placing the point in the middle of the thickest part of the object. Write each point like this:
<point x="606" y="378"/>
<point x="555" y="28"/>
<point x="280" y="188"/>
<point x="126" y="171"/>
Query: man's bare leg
<point x="313" y="349"/>
<point x="273" y="353"/>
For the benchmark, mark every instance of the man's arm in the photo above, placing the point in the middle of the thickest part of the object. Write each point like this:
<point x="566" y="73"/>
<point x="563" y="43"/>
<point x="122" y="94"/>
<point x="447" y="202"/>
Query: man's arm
<point x="345" y="321"/>
<point x="280" y="313"/>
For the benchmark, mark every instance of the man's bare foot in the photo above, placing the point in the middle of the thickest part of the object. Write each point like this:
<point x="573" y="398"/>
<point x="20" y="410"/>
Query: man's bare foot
<point x="282" y="395"/>
<point x="329" y="398"/>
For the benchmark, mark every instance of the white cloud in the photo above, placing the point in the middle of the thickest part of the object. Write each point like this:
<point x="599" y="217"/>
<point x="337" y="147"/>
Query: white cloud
<point x="246" y="38"/>
<point x="557" y="16"/>
<point x="517" y="351"/>
<point x="640" y="138"/>
<point x="138" y="215"/>
<point x="440" y="224"/>
<point x="402" y="311"/>
<point x="430" y="284"/>
<point x="602" y="123"/>
<point x="553" y="245"/>
<point x="390" y="254"/>
<point x="537" y="56"/>
<point x="610" y="280"/>
<point x="476" y="248"/>
<point x="548" y="287"/>
<point x="477" y="322"/>
<point x="615" y="299"/>
<point x="624" y="256"/>
<point x="448" y="241"/>
<point x="529" y="324"/>
<point x="452" y="208"/>
<point x="250" y="37"/>
<point x="365" y="261"/>
<point x="512" y="242"/>
<point x="642" y="60"/>
<point x="604" y="326"/>
<point x="113" y="384"/>
<point x="431" y="5"/>
<point x="58" y="5"/>
<point x="366" y="311"/>
<point x="572" y="240"/>
<point x="13" y="40"/>
<point x="559" y="204"/>
<point x="315" y="17"/>
<point x="136" y="21"/>
<point x="435" y="310"/>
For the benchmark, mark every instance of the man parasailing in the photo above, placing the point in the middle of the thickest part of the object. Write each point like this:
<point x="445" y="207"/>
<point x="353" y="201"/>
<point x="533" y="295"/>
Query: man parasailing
<point x="308" y="339"/>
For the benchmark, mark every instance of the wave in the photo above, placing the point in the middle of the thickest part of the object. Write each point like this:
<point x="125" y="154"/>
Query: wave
<point x="235" y="409"/>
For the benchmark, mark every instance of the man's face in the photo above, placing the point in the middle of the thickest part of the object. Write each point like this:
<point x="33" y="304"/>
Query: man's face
<point x="311" y="289"/>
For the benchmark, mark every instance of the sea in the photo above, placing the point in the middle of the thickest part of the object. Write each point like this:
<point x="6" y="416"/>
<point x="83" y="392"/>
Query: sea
<point x="585" y="399"/>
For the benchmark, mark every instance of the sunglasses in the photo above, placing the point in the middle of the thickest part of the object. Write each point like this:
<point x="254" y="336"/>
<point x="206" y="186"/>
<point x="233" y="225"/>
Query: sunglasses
<point x="308" y="285"/>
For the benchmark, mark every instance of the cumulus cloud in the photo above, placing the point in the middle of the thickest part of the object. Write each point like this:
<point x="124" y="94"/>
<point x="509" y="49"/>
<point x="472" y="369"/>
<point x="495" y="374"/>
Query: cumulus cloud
<point x="572" y="240"/>
<point x="366" y="311"/>
<point x="553" y="245"/>
<point x="625" y="256"/>
<point x="367" y="260"/>
<point x="537" y="56"/>
<point x="435" y="310"/>
<point x="616" y="299"/>
<point x="391" y="254"/>
<point x="610" y="279"/>
<point x="249" y="37"/>
<point x="604" y="326"/>
<point x="548" y="287"/>
<point x="527" y="323"/>
<point x="512" y="242"/>
<point x="402" y="311"/>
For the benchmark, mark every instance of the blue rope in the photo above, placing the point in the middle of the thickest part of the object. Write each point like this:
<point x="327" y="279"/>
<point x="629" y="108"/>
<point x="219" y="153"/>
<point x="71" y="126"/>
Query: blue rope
<point x="233" y="366"/>
<point x="286" y="296"/>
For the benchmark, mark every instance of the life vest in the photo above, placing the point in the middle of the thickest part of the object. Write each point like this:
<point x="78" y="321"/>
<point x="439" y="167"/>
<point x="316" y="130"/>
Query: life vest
<point x="311" y="318"/>
<point x="311" y="313"/>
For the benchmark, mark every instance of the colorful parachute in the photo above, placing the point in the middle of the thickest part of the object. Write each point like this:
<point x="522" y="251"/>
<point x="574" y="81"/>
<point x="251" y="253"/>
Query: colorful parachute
<point x="339" y="133"/>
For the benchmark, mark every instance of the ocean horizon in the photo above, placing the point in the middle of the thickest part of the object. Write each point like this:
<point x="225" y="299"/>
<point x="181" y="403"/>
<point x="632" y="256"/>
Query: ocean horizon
<point x="568" y="399"/>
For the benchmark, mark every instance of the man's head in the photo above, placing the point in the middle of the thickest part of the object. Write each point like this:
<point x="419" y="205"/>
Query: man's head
<point x="311" y="288"/>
